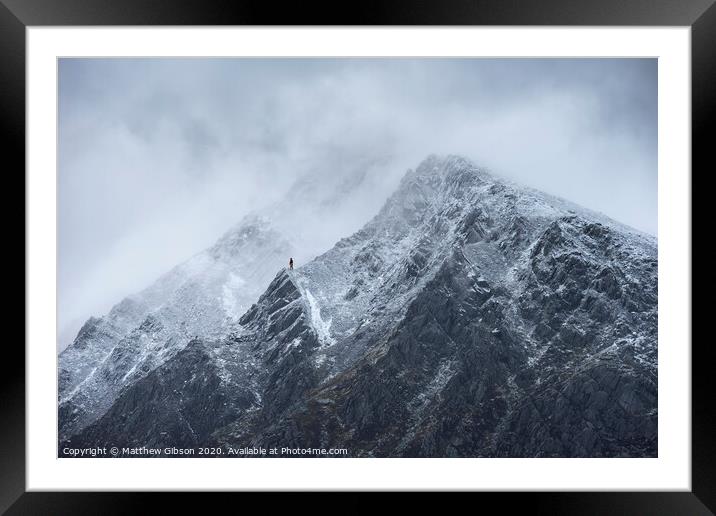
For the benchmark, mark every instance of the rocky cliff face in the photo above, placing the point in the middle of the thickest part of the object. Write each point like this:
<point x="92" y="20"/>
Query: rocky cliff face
<point x="204" y="297"/>
<point x="200" y="298"/>
<point x="470" y="317"/>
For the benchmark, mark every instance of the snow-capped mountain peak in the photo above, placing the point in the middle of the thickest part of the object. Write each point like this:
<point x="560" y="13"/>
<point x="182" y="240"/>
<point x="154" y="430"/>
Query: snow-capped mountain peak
<point x="469" y="317"/>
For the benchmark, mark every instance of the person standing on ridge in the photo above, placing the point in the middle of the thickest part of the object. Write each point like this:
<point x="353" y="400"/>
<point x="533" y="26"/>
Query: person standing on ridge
<point x="290" y="263"/>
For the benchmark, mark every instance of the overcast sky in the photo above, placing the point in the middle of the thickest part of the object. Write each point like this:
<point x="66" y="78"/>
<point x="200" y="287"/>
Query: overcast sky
<point x="158" y="157"/>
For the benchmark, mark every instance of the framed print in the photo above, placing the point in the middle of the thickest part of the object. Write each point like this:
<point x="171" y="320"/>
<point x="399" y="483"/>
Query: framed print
<point x="444" y="256"/>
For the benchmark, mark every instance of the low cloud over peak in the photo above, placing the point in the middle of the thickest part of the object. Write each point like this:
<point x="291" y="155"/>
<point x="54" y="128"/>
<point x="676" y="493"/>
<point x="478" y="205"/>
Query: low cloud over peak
<point x="158" y="157"/>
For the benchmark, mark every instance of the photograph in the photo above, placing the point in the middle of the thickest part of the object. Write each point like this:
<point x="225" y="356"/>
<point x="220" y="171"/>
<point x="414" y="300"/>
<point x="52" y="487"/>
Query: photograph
<point x="357" y="257"/>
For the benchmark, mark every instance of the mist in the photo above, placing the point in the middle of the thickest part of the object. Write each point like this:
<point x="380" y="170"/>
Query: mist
<point x="159" y="157"/>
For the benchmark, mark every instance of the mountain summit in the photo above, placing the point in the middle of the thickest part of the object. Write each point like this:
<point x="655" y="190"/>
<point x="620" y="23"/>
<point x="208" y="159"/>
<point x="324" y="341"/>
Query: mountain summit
<point x="469" y="318"/>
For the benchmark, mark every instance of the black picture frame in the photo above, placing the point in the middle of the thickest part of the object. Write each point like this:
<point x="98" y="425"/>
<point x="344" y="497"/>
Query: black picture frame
<point x="16" y="15"/>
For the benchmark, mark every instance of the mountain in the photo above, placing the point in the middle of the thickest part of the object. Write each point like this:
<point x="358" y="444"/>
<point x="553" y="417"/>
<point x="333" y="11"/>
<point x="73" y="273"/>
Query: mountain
<point x="470" y="317"/>
<point x="201" y="297"/>
<point x="205" y="296"/>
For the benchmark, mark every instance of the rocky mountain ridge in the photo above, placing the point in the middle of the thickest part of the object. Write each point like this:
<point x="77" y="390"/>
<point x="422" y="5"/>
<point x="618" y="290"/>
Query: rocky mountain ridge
<point x="470" y="317"/>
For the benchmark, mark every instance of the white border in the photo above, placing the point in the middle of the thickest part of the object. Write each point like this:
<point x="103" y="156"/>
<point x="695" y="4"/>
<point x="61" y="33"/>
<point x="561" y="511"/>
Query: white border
<point x="671" y="470"/>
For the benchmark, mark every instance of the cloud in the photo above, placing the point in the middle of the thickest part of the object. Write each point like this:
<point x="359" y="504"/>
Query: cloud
<point x="158" y="157"/>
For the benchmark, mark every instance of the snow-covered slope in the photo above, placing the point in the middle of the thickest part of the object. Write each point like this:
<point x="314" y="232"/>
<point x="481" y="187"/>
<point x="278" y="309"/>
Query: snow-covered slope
<point x="205" y="296"/>
<point x="201" y="298"/>
<point x="470" y="317"/>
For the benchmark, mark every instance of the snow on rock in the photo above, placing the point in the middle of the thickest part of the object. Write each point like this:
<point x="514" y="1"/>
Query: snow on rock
<point x="203" y="297"/>
<point x="231" y="296"/>
<point x="323" y="328"/>
<point x="470" y="317"/>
